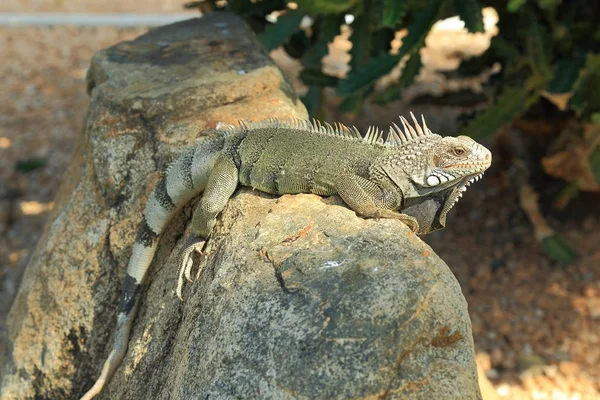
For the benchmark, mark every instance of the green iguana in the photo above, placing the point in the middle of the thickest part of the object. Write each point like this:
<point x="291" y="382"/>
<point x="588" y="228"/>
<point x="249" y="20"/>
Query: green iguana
<point x="377" y="175"/>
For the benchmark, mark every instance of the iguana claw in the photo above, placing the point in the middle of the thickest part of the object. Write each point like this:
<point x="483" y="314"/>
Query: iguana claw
<point x="186" y="262"/>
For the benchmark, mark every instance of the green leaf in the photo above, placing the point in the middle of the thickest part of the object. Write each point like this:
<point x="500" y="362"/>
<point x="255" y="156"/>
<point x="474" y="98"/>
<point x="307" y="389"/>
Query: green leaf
<point x="509" y="105"/>
<point x="391" y="13"/>
<point x="367" y="74"/>
<point x="423" y="20"/>
<point x="279" y="32"/>
<point x="381" y="41"/>
<point x="312" y="101"/>
<point x="326" y="6"/>
<point x="515" y="5"/>
<point x="361" y="32"/>
<point x="297" y="45"/>
<point x="539" y="49"/>
<point x="595" y="164"/>
<point x="558" y="249"/>
<point x="248" y="7"/>
<point x="550" y="5"/>
<point x="29" y="165"/>
<point x="375" y="68"/>
<point x="410" y="71"/>
<point x="353" y="103"/>
<point x="314" y="77"/>
<point x="505" y="49"/>
<point x="585" y="98"/>
<point x="328" y="29"/>
<point x="470" y="12"/>
<point x="566" y="72"/>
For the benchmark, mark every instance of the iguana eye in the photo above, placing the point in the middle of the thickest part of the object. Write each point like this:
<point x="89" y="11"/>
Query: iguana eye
<point x="459" y="151"/>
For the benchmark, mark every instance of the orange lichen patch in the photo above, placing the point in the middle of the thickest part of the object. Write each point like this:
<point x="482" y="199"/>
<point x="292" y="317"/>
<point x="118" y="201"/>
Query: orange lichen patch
<point x="444" y="338"/>
<point x="415" y="385"/>
<point x="300" y="234"/>
<point x="426" y="253"/>
<point x="401" y="357"/>
<point x="264" y="253"/>
<point x="383" y="394"/>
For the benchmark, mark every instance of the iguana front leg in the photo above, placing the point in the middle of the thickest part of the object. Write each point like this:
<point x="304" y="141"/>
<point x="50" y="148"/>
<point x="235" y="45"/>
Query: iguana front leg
<point x="370" y="201"/>
<point x="221" y="184"/>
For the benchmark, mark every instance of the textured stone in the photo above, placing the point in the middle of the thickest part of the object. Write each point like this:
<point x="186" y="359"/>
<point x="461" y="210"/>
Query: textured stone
<point x="297" y="297"/>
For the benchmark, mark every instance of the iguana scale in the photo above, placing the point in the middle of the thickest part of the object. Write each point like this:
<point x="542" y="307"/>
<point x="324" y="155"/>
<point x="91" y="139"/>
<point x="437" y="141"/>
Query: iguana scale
<point x="377" y="175"/>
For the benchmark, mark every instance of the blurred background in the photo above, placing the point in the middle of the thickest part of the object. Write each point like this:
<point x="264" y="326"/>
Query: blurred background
<point x="521" y="76"/>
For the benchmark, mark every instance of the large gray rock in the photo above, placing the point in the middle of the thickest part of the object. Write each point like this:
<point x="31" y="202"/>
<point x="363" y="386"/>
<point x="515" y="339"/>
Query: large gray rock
<point x="297" y="297"/>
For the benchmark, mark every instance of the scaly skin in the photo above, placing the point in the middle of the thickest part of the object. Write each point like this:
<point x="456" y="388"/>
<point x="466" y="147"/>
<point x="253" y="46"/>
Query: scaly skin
<point x="412" y="175"/>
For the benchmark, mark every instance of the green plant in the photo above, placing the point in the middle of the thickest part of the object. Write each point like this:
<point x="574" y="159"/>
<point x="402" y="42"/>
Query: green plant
<point x="373" y="29"/>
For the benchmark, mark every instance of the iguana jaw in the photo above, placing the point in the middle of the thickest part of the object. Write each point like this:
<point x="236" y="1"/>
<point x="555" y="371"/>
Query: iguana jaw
<point x="460" y="184"/>
<point x="462" y="188"/>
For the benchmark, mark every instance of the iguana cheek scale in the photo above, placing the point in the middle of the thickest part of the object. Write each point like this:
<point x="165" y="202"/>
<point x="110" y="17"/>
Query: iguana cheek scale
<point x="377" y="175"/>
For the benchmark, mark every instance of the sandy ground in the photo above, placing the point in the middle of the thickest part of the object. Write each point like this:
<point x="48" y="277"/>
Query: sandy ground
<point x="536" y="325"/>
<point x="91" y="6"/>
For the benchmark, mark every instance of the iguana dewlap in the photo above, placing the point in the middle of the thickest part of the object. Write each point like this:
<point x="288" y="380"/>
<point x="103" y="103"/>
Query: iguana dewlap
<point x="377" y="175"/>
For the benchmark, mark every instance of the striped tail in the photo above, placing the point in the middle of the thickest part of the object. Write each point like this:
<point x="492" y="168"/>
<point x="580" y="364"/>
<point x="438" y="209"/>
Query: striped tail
<point x="182" y="181"/>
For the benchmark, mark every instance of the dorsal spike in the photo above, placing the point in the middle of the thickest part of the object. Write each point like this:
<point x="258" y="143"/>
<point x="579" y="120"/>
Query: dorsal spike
<point x="399" y="133"/>
<point x="425" y="128"/>
<point x="417" y="126"/>
<point x="393" y="137"/>
<point x="375" y="135"/>
<point x="379" y="135"/>
<point x="408" y="126"/>
<point x="331" y="129"/>
<point x="405" y="132"/>
<point x="316" y="125"/>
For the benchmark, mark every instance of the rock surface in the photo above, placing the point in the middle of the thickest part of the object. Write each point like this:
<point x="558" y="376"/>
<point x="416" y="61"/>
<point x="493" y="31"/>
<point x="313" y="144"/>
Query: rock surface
<point x="296" y="298"/>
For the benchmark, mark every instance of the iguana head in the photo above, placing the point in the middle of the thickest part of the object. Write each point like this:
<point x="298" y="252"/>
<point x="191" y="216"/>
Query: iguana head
<point x="423" y="164"/>
<point x="452" y="162"/>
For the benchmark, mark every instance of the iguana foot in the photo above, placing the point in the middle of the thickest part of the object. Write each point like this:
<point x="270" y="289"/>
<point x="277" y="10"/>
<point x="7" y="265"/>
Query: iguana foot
<point x="186" y="262"/>
<point x="410" y="221"/>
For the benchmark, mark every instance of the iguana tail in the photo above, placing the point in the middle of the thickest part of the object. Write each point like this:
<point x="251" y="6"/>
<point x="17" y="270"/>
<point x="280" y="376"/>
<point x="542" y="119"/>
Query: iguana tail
<point x="183" y="180"/>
